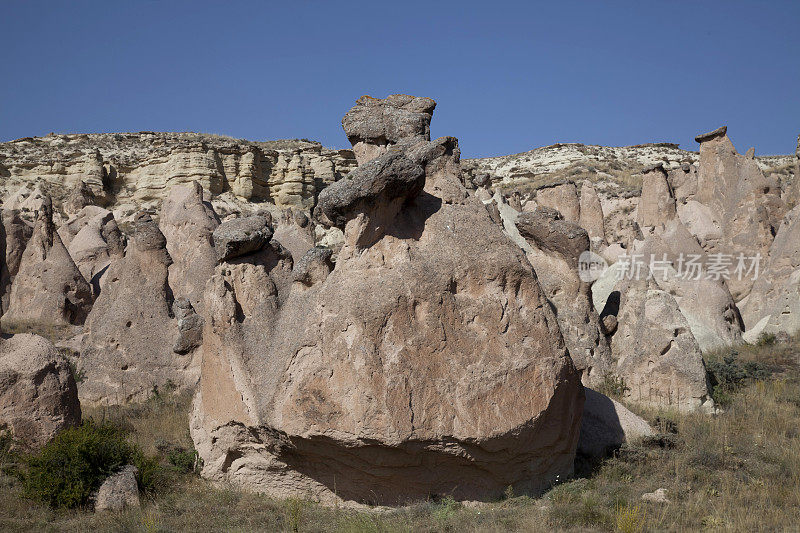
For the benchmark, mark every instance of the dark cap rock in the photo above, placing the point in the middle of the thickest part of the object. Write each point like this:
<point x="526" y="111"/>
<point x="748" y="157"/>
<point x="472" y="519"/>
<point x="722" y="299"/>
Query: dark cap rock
<point x="241" y="236"/>
<point x="719" y="132"/>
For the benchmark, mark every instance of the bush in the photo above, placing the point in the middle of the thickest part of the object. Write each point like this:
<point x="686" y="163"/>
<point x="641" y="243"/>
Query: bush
<point x="612" y="386"/>
<point x="766" y="339"/>
<point x="66" y="472"/>
<point x="729" y="374"/>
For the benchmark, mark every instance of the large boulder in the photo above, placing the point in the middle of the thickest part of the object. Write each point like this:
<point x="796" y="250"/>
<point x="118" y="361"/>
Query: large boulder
<point x="131" y="331"/>
<point x="373" y="125"/>
<point x="118" y="491"/>
<point x="38" y="395"/>
<point x="48" y="289"/>
<point x="368" y="199"/>
<point x="657" y="356"/>
<point x="241" y="236"/>
<point x="412" y="369"/>
<point x="554" y="248"/>
<point x="188" y="223"/>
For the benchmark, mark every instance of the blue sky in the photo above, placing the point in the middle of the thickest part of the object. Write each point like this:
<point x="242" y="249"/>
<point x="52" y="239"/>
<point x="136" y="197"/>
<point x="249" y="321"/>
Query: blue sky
<point x="507" y="76"/>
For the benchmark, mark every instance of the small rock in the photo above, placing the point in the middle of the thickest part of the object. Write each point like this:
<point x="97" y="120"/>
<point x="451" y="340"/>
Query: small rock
<point x="659" y="496"/>
<point x="118" y="491"/>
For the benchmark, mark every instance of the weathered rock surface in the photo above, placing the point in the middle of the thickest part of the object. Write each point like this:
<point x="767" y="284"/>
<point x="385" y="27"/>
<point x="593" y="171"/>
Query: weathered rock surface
<point x="657" y="355"/>
<point x="48" y="289"/>
<point x="38" y="395"/>
<point x="131" y="331"/>
<point x="563" y="198"/>
<point x="190" y="327"/>
<point x="295" y="232"/>
<point x="370" y="197"/>
<point x="774" y="302"/>
<point x="591" y="217"/>
<point x="188" y="224"/>
<point x="78" y="198"/>
<point x="554" y="248"/>
<point x="373" y="125"/>
<point x="95" y="246"/>
<point x="240" y="236"/>
<point x="657" y="202"/>
<point x="607" y="424"/>
<point x="744" y="203"/>
<point x="128" y="172"/>
<point x="15" y="236"/>
<point x="412" y="369"/>
<point x="118" y="491"/>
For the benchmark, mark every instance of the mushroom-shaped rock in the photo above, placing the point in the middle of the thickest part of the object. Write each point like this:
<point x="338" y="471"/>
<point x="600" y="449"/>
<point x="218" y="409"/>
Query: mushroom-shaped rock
<point x="548" y="230"/>
<point x="48" y="288"/>
<point x="241" y="236"/>
<point x="130" y="333"/>
<point x="411" y="369"/>
<point x="373" y="124"/>
<point x="38" y="395"/>
<point x="365" y="201"/>
<point x="743" y="203"/>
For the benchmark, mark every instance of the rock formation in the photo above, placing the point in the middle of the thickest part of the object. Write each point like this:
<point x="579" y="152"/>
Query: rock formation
<point x="606" y="425"/>
<point x="296" y="232"/>
<point x="38" y="395"/>
<point x="744" y="204"/>
<point x="131" y="331"/>
<point x="95" y="246"/>
<point x="48" y="289"/>
<point x="657" y="356"/>
<point x="118" y="491"/>
<point x="411" y="369"/>
<point x="563" y="198"/>
<point x="240" y="236"/>
<point x="15" y="236"/>
<point x="188" y="223"/>
<point x="128" y="172"/>
<point x="774" y="302"/>
<point x="373" y="125"/>
<point x="554" y="248"/>
<point x="591" y="217"/>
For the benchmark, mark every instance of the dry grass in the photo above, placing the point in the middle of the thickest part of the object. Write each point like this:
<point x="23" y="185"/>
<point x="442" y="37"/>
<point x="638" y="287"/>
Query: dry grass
<point x="736" y="471"/>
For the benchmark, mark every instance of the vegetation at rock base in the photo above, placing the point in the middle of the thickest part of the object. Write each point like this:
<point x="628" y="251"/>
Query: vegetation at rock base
<point x="738" y="470"/>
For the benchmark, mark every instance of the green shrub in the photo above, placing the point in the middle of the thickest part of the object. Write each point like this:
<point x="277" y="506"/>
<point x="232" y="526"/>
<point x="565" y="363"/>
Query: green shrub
<point x="729" y="374"/>
<point x="72" y="466"/>
<point x="185" y="461"/>
<point x="766" y="339"/>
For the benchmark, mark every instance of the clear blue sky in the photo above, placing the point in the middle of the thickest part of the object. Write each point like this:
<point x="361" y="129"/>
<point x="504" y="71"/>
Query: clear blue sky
<point x="507" y="77"/>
